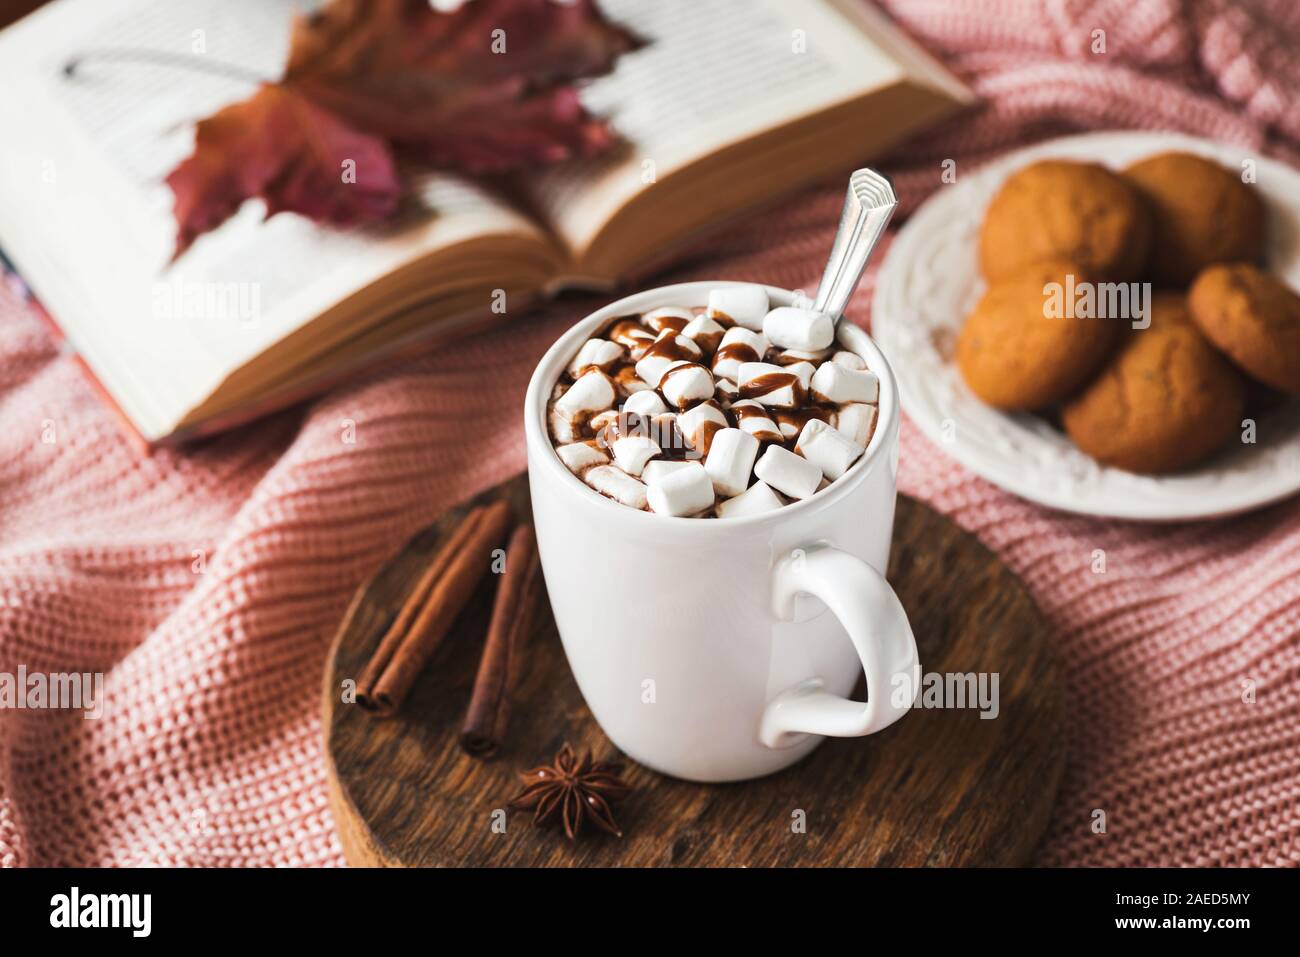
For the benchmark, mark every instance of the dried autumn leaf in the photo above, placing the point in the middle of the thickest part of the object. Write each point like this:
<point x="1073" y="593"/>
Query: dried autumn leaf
<point x="482" y="89"/>
<point x="282" y="147"/>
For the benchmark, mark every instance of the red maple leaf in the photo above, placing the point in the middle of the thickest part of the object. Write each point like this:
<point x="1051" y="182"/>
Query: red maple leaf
<point x="484" y="89"/>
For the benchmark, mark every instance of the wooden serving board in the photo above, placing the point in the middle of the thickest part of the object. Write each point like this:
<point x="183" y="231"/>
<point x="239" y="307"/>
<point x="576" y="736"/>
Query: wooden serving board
<point x="941" y="787"/>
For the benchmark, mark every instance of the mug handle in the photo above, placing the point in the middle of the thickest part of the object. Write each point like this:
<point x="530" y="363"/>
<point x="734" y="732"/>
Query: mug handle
<point x="871" y="613"/>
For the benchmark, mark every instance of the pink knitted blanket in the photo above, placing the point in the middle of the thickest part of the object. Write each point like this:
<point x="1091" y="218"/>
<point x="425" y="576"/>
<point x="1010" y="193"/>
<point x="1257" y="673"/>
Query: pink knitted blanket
<point x="206" y="583"/>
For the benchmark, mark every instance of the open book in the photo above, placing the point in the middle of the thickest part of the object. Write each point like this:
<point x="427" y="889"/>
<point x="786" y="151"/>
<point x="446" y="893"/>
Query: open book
<point x="733" y="103"/>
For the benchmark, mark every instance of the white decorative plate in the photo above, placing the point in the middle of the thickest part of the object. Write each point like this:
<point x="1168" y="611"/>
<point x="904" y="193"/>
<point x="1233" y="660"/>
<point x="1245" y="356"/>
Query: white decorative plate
<point x="930" y="280"/>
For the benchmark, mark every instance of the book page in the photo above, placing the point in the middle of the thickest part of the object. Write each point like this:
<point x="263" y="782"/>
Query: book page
<point x="715" y="72"/>
<point x="86" y="215"/>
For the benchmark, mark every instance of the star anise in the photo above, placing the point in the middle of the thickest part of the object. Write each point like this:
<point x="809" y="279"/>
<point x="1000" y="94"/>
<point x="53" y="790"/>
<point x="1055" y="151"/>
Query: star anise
<point x="573" y="791"/>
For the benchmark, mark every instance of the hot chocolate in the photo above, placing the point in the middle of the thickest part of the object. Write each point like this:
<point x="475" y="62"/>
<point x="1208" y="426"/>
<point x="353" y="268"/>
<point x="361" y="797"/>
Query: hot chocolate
<point x="723" y="411"/>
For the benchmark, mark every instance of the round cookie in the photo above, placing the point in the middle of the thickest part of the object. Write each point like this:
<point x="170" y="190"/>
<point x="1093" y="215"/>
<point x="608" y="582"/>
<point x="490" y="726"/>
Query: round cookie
<point x="1201" y="214"/>
<point x="1058" y="209"/>
<point x="1166" y="401"/>
<point x="1254" y="318"/>
<point x="1017" y="357"/>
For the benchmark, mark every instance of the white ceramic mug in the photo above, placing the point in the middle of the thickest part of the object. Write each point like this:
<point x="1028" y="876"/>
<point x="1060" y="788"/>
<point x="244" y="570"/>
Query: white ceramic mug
<point x="723" y="649"/>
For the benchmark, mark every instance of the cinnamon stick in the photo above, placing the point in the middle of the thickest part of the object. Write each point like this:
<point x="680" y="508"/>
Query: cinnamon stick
<point x="489" y="705"/>
<point x="428" y="612"/>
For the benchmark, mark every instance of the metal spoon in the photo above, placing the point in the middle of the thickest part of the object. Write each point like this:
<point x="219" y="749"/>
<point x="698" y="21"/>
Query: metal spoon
<point x="867" y="208"/>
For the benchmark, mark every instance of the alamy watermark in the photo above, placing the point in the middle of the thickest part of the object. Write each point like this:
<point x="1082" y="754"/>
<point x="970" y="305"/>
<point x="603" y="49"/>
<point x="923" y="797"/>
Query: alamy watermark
<point x="234" y="302"/>
<point x="56" y="691"/>
<point x="133" y="912"/>
<point x="948" y="690"/>
<point x="1076" y="299"/>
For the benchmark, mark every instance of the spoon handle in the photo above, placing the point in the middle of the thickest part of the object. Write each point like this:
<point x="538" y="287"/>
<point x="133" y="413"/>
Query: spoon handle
<point x="867" y="208"/>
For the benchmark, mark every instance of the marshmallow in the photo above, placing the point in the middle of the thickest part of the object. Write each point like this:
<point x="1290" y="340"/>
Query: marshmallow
<point x="651" y="368"/>
<point x="670" y="341"/>
<point x="743" y="305"/>
<point x="835" y="383"/>
<point x="804" y="370"/>
<point x="563" y="429"/>
<point x="668" y="317"/>
<point x="628" y="382"/>
<point x="580" y="456"/>
<point x="753" y="418"/>
<point x="857" y="421"/>
<point x="595" y="354"/>
<point x="591" y="393"/>
<point x="789" y="422"/>
<point x="827" y="448"/>
<point x="632" y="452"/>
<point x="730" y="460"/>
<point x="850" y="360"/>
<point x="758" y="498"/>
<point x="686" y="383"/>
<point x="656" y="470"/>
<point x="614" y="425"/>
<point x="790" y="356"/>
<point x="617" y="484"/>
<point x="629" y="332"/>
<point x="755" y="340"/>
<point x="683" y="491"/>
<point x="770" y="384"/>
<point x="664" y="430"/>
<point x="705" y="333"/>
<point x="786" y="472"/>
<point x="789" y="327"/>
<point x="737" y="347"/>
<point x="599" y="423"/>
<point x="699" y="424"/>
<point x="669" y="349"/>
<point x="726" y="390"/>
<point x="645" y="403"/>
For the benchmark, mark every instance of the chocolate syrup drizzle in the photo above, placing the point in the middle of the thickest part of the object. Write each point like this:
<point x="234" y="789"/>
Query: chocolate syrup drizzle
<point x="669" y="348"/>
<point x="740" y="351"/>
<point x="770" y="382"/>
<point x="633" y="333"/>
